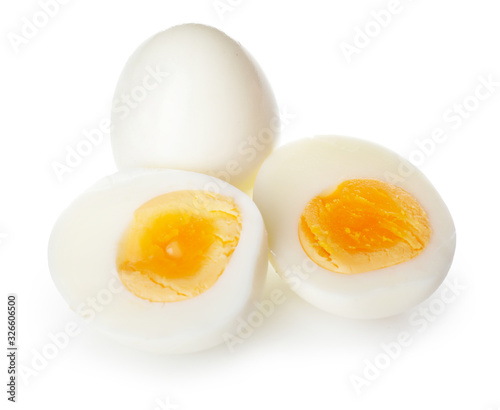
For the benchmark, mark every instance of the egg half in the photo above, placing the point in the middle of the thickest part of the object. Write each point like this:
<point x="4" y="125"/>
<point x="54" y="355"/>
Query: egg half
<point x="354" y="228"/>
<point x="161" y="260"/>
<point x="192" y="98"/>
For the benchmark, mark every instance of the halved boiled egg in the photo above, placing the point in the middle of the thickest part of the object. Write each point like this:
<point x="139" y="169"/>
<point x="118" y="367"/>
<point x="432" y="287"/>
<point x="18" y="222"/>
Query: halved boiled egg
<point x="180" y="256"/>
<point x="354" y="228"/>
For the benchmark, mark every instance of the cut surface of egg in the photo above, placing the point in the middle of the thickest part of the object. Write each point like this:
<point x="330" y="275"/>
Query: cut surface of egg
<point x="175" y="256"/>
<point x="192" y="98"/>
<point x="354" y="228"/>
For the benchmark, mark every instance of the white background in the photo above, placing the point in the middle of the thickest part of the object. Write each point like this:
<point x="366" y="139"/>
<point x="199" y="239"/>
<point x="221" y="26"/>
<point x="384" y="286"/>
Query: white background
<point x="395" y="91"/>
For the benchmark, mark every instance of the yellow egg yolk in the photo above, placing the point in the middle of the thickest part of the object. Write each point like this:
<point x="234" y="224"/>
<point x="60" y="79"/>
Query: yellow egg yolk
<point x="363" y="225"/>
<point x="178" y="245"/>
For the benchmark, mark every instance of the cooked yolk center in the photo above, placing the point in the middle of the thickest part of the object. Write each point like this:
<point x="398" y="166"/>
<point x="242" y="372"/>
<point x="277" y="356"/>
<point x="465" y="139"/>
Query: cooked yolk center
<point x="363" y="225"/>
<point x="178" y="245"/>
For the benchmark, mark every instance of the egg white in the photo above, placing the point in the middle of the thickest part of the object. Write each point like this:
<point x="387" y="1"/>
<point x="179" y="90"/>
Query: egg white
<point x="82" y="252"/>
<point x="200" y="117"/>
<point x="299" y="171"/>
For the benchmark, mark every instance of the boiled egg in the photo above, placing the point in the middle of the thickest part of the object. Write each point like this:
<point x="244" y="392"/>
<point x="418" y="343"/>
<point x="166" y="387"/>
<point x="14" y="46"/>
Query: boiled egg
<point x="160" y="260"/>
<point x="192" y="98"/>
<point x="354" y="228"/>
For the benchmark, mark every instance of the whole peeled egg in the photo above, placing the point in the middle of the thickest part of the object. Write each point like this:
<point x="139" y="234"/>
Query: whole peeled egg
<point x="161" y="260"/>
<point x="192" y="98"/>
<point x="354" y="228"/>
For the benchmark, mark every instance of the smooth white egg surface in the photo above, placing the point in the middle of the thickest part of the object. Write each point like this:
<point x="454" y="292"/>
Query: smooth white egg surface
<point x="192" y="98"/>
<point x="160" y="260"/>
<point x="354" y="228"/>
